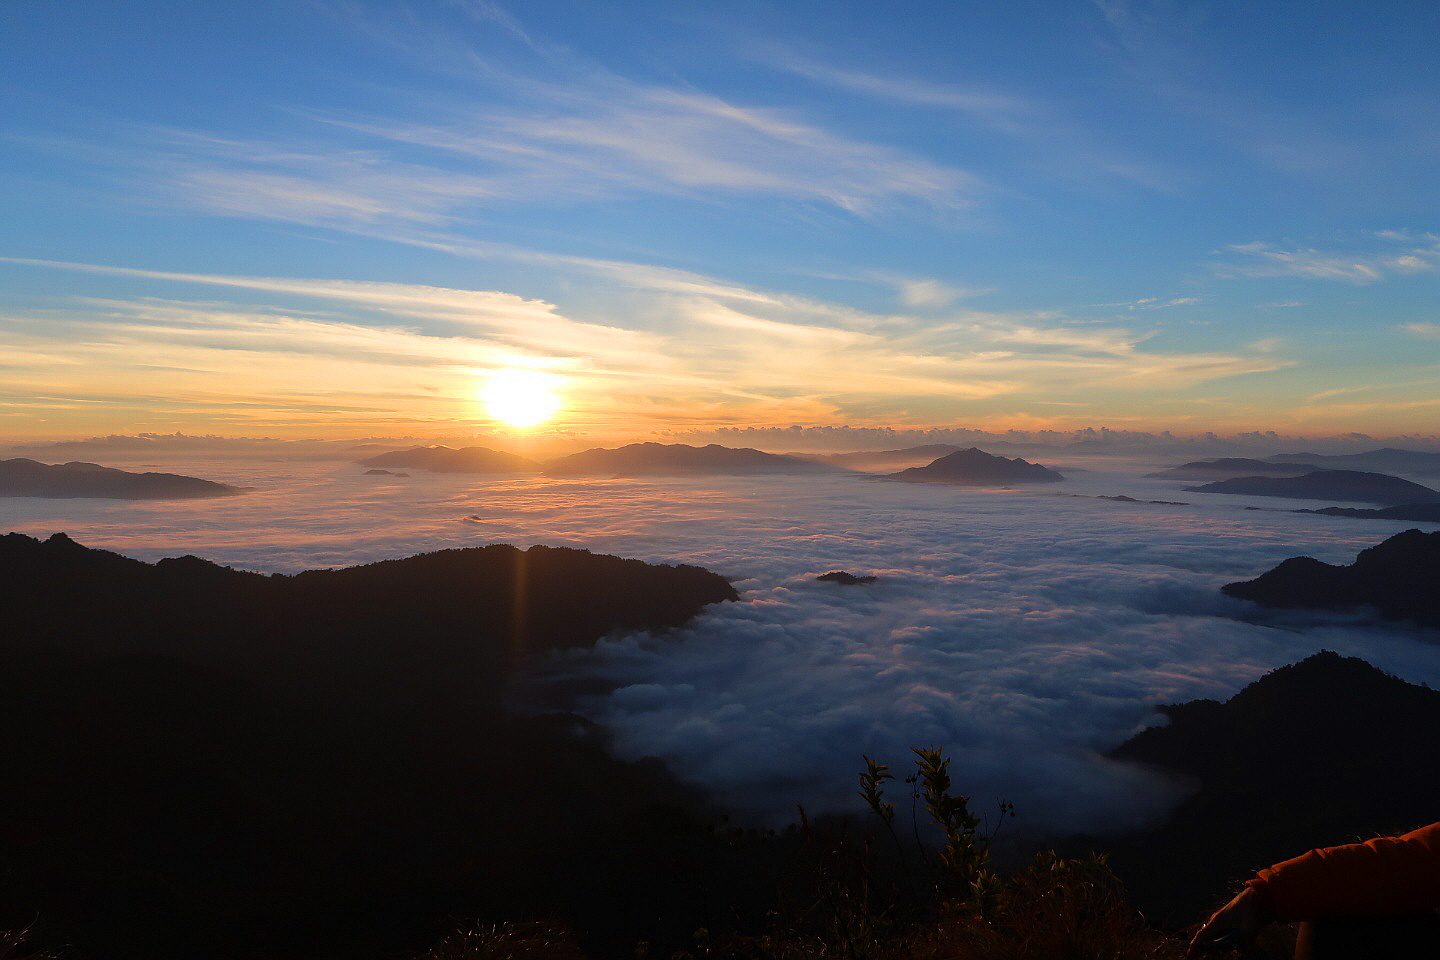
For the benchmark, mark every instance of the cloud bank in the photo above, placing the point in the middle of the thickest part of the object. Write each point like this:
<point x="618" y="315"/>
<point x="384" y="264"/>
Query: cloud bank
<point x="1024" y="632"/>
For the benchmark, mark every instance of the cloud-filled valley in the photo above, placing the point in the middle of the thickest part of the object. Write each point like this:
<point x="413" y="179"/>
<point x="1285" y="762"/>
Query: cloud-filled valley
<point x="1027" y="632"/>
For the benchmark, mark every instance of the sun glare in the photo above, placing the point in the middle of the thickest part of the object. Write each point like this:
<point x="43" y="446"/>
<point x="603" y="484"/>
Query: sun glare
<point x="521" y="398"/>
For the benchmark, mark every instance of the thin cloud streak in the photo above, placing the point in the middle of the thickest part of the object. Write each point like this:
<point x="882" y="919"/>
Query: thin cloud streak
<point x="630" y="137"/>
<point x="1056" y="140"/>
<point x="1367" y="266"/>
<point x="727" y="350"/>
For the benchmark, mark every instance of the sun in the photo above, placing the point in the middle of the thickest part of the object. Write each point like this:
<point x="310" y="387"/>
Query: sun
<point x="521" y="398"/>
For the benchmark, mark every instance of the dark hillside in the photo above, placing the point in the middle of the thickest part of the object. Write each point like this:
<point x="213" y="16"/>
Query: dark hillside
<point x="457" y="617"/>
<point x="1325" y="751"/>
<point x="204" y="762"/>
<point x="1400" y="578"/>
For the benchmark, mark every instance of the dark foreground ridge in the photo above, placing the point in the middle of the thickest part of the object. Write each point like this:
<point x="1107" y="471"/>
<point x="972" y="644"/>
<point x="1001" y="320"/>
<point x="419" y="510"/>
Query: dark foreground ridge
<point x="978" y="467"/>
<point x="30" y="478"/>
<point x="459" y="618"/>
<point x="1399" y="578"/>
<point x="1325" y="751"/>
<point x="1342" y="485"/>
<point x="200" y="761"/>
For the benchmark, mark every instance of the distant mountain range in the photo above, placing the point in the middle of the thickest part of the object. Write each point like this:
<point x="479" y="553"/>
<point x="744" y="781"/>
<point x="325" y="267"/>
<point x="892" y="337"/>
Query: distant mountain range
<point x="1398" y="577"/>
<point x="1409" y="512"/>
<point x="443" y="459"/>
<point x="885" y="459"/>
<point x="1227" y="467"/>
<point x="975" y="466"/>
<point x="1325" y="751"/>
<point x="1327" y="485"/>
<point x="21" y="477"/>
<point x="636" y="459"/>
<point x="1416" y="463"/>
<point x="640" y="459"/>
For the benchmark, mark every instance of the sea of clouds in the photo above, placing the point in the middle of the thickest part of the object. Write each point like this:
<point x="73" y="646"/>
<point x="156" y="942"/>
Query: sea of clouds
<point x="1026" y="631"/>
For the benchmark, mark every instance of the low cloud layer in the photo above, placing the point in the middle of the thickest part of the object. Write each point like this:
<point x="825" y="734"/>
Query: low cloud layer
<point x="1025" y="632"/>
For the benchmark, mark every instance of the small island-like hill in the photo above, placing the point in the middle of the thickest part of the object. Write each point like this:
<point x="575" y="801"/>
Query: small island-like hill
<point x="22" y="477"/>
<point x="1408" y="512"/>
<point x="1345" y="485"/>
<point x="975" y="466"/>
<point x="640" y="459"/>
<point x="442" y="459"/>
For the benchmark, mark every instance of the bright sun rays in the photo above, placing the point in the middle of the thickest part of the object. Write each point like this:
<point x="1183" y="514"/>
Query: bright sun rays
<point x="521" y="398"/>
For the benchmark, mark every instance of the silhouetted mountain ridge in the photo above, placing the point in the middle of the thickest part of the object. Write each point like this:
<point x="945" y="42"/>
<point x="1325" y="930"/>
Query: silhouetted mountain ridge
<point x="1422" y="512"/>
<point x="21" y="477"/>
<point x="1327" y="485"/>
<point x="882" y="459"/>
<point x="459" y="616"/>
<point x="1397" y="577"/>
<point x="978" y="467"/>
<point x="1324" y="751"/>
<point x="1414" y="462"/>
<point x="200" y="761"/>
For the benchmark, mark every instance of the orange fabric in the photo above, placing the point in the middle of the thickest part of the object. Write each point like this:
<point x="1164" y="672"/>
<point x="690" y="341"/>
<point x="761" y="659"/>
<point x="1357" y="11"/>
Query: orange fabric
<point x="1387" y="875"/>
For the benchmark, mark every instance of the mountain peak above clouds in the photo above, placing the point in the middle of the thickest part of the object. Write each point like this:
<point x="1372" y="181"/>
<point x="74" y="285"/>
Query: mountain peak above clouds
<point x="1400" y="578"/>
<point x="974" y="465"/>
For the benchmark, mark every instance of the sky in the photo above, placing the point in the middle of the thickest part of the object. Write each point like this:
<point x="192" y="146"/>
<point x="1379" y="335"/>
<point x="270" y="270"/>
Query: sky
<point x="342" y="218"/>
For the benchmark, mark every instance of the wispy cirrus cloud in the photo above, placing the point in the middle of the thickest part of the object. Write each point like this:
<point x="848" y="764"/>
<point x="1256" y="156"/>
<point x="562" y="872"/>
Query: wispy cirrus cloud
<point x="1052" y="136"/>
<point x="689" y="350"/>
<point x="630" y="137"/>
<point x="997" y="107"/>
<point x="557" y="145"/>
<point x="1383" y="255"/>
<point x="513" y="321"/>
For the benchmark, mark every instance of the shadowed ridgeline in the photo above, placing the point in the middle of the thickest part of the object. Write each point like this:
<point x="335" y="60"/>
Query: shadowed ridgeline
<point x="1399" y="578"/>
<point x="1325" y="751"/>
<point x="200" y="761"/>
<point x="21" y="477"/>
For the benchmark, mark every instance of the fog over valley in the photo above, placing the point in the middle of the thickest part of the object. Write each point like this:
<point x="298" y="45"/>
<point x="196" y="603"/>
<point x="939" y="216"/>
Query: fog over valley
<point x="1027" y="631"/>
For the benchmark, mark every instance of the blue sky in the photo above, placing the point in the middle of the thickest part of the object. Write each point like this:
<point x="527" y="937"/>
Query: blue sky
<point x="339" y="218"/>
